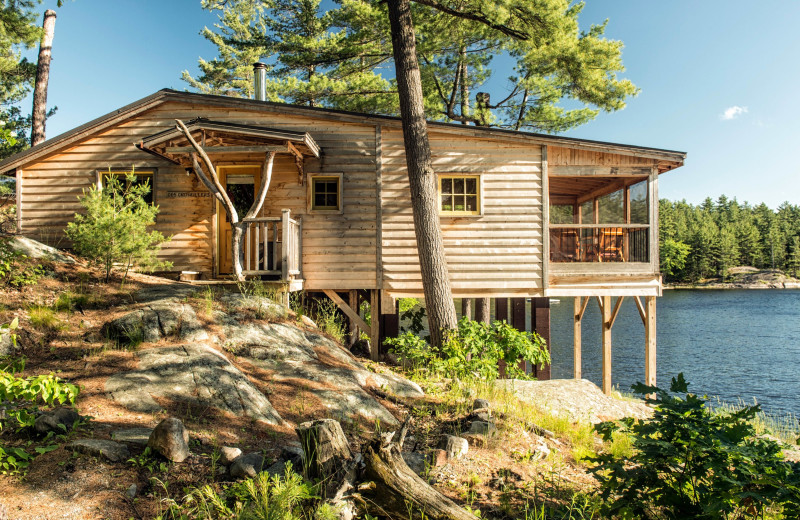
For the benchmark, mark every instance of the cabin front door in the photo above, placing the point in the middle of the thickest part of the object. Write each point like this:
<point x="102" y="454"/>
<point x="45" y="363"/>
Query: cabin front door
<point x="240" y="182"/>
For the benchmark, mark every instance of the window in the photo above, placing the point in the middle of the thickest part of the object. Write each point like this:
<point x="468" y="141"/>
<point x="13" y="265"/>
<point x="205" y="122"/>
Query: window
<point x="325" y="193"/>
<point x="459" y="195"/>
<point x="140" y="177"/>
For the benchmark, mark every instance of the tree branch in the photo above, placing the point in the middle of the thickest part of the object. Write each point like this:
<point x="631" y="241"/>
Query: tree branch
<point x="476" y="16"/>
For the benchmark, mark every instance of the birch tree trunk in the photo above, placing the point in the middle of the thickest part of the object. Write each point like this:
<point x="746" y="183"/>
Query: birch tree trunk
<point x="422" y="179"/>
<point x="42" y="77"/>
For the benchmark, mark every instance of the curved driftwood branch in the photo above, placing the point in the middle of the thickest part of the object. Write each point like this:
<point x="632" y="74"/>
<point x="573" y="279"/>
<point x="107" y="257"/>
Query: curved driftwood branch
<point x="266" y="177"/>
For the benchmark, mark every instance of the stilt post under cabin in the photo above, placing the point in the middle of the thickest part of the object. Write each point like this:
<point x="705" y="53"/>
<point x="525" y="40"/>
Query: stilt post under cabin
<point x="606" y="311"/>
<point x="352" y="300"/>
<point x="501" y="309"/>
<point x="540" y="324"/>
<point x="576" y="337"/>
<point x="466" y="307"/>
<point x="375" y="324"/>
<point x="650" y="338"/>
<point x="518" y="322"/>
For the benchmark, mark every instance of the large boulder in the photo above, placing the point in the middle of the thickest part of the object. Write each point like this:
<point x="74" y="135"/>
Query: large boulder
<point x="170" y="439"/>
<point x="34" y="249"/>
<point x="158" y="319"/>
<point x="194" y="373"/>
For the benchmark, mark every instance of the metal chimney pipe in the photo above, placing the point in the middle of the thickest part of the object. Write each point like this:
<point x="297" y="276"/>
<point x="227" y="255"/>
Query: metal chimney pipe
<point x="260" y="72"/>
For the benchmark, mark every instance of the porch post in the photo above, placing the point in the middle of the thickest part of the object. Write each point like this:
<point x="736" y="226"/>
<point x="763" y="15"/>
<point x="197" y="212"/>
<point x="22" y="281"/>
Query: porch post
<point x="576" y="337"/>
<point x="606" y="312"/>
<point x="650" y="341"/>
<point x="285" y="244"/>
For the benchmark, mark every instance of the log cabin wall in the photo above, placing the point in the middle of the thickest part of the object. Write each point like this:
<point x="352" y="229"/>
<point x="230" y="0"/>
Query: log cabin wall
<point x="498" y="252"/>
<point x="339" y="251"/>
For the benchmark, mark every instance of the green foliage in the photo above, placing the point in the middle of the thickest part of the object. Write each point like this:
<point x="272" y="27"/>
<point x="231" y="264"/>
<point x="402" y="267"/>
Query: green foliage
<point x="413" y="314"/>
<point x="689" y="462"/>
<point x="43" y="318"/>
<point x="278" y="497"/>
<point x="149" y="461"/>
<point x="16" y="269"/>
<point x="21" y="398"/>
<point x="326" y="315"/>
<point x="474" y="350"/>
<point x="114" y="226"/>
<point x="706" y="240"/>
<point x="339" y="57"/>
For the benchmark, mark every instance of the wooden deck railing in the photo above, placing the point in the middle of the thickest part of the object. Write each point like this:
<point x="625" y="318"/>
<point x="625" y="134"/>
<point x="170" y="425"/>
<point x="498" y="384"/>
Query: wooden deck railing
<point x="599" y="243"/>
<point x="273" y="246"/>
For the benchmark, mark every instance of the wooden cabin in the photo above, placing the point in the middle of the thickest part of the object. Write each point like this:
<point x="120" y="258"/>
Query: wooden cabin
<point x="523" y="215"/>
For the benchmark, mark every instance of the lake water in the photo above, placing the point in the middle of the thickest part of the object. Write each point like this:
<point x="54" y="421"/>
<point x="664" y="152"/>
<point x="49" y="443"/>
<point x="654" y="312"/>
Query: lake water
<point x="734" y="344"/>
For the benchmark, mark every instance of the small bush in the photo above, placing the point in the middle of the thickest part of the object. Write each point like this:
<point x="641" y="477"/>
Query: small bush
<point x="474" y="350"/>
<point x="690" y="462"/>
<point x="327" y="317"/>
<point x="113" y="229"/>
<point x="21" y="398"/>
<point x="68" y="301"/>
<point x="43" y="319"/>
<point x="285" y="497"/>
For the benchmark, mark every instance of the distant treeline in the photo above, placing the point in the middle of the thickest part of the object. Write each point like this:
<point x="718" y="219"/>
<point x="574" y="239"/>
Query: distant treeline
<point x="706" y="240"/>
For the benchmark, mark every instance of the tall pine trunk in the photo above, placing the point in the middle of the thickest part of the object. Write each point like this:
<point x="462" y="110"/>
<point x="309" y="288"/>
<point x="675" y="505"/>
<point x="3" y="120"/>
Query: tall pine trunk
<point x="42" y="77"/>
<point x="421" y="177"/>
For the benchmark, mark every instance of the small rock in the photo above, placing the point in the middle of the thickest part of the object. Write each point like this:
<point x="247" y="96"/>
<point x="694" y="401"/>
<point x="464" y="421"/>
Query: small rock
<point x="86" y="324"/>
<point x="170" y="439"/>
<point x="228" y="454"/>
<point x="438" y="458"/>
<point x="541" y="451"/>
<point x="481" y="414"/>
<point x="308" y="322"/>
<point x="247" y="465"/>
<point x="415" y="461"/>
<point x="138" y="436"/>
<point x="278" y="468"/>
<point x="479" y="404"/>
<point x="293" y="454"/>
<point x="54" y="420"/>
<point x="131" y="492"/>
<point x="454" y="447"/>
<point x="482" y="428"/>
<point x="113" y="451"/>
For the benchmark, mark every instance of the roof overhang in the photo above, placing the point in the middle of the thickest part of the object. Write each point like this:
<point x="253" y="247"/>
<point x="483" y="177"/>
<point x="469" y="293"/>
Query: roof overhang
<point x="667" y="159"/>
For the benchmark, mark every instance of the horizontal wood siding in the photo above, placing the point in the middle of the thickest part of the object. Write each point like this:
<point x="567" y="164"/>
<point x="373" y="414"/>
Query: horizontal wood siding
<point x="561" y="156"/>
<point x="499" y="252"/>
<point x="338" y="250"/>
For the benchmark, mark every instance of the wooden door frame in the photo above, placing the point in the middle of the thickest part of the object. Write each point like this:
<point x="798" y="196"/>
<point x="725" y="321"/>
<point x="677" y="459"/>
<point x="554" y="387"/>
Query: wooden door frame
<point x="219" y="213"/>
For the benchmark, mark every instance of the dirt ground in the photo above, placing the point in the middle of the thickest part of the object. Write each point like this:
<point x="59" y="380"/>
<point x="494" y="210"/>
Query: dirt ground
<point x="496" y="476"/>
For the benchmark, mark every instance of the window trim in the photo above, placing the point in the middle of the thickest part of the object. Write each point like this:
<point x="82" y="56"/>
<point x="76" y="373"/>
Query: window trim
<point x="144" y="172"/>
<point x="312" y="177"/>
<point x="479" y="185"/>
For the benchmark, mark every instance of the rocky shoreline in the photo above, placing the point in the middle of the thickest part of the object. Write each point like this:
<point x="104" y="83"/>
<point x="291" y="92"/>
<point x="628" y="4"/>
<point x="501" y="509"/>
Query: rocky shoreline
<point x="744" y="278"/>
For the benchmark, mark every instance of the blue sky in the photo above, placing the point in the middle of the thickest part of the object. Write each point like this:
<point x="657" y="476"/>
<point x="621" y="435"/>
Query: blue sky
<point x="695" y="62"/>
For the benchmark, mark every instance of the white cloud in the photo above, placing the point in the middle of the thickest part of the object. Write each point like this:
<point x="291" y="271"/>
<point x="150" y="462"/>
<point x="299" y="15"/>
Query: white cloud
<point x="733" y="112"/>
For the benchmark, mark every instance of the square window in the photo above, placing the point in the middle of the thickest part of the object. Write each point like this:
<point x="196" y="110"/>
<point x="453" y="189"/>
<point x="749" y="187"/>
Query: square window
<point x="326" y="194"/>
<point x="459" y="195"/>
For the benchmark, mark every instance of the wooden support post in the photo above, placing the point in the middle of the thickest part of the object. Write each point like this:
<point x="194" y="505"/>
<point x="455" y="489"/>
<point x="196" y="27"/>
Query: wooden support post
<point x="606" y="344"/>
<point x="579" y="306"/>
<point x="540" y="323"/>
<point x="518" y="322"/>
<point x="352" y="297"/>
<point x="352" y="314"/>
<point x="501" y="309"/>
<point x="375" y="325"/>
<point x="466" y="307"/>
<point x="650" y="346"/>
<point x="390" y="323"/>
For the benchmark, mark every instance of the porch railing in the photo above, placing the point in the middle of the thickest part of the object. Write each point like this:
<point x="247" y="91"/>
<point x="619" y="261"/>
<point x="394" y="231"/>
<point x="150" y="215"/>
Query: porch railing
<point x="273" y="246"/>
<point x="599" y="243"/>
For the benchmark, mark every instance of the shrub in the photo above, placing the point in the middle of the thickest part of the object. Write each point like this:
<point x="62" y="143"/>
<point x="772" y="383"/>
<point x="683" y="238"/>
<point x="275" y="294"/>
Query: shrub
<point x="114" y="227"/>
<point x="21" y="398"/>
<point x="474" y="349"/>
<point x="690" y="462"/>
<point x="43" y="318"/>
<point x="281" y="497"/>
<point x="16" y="269"/>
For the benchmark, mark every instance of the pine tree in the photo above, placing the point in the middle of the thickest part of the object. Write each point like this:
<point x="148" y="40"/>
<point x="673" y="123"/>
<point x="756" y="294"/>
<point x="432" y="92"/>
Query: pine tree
<point x="335" y="58"/>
